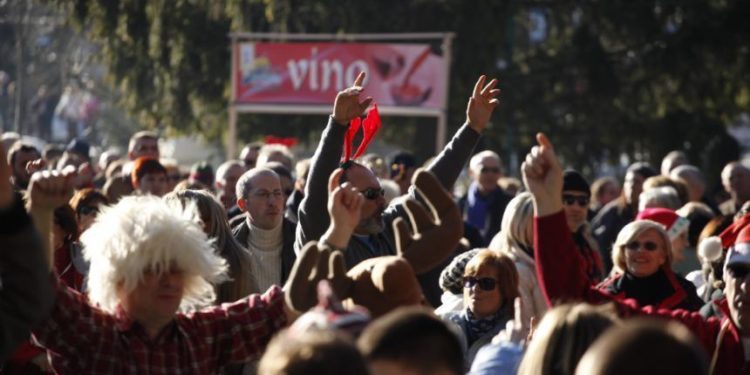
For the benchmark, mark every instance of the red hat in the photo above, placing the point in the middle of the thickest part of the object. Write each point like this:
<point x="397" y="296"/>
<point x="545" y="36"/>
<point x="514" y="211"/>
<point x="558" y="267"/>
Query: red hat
<point x="740" y="252"/>
<point x="673" y="223"/>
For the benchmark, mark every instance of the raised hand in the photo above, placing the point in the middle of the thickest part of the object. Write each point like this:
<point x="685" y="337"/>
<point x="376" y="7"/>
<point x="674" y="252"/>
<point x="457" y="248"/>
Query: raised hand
<point x="35" y="166"/>
<point x="481" y="104"/>
<point x="437" y="233"/>
<point x="344" y="207"/>
<point x="51" y="189"/>
<point x="517" y="330"/>
<point x="6" y="189"/>
<point x="347" y="105"/>
<point x="543" y="177"/>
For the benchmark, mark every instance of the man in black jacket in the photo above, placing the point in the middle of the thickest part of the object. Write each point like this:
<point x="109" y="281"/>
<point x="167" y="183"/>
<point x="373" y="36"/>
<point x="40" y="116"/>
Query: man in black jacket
<point x="26" y="292"/>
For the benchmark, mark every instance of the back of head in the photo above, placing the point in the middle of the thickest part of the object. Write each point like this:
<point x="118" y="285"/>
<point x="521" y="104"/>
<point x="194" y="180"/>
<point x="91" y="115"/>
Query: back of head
<point x="311" y="352"/>
<point x="644" y="346"/>
<point x="412" y="338"/>
<point x="563" y="336"/>
<point x="672" y="160"/>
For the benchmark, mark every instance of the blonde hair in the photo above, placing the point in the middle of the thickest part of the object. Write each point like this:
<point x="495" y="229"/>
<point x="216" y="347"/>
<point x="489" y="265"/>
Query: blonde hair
<point x="516" y="219"/>
<point x="563" y="336"/>
<point x="630" y="232"/>
<point x="143" y="233"/>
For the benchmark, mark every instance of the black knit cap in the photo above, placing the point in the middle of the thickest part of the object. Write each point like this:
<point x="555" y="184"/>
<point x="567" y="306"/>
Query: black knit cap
<point x="574" y="181"/>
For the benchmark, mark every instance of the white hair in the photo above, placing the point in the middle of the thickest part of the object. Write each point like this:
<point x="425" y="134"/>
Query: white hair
<point x="660" y="196"/>
<point x="476" y="161"/>
<point x="143" y="233"/>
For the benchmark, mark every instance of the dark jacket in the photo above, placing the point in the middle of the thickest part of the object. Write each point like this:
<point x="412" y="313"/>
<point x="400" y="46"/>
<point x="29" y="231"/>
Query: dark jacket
<point x="26" y="289"/>
<point x="313" y="215"/>
<point x="288" y="256"/>
<point x="498" y="200"/>
<point x="664" y="289"/>
<point x="562" y="278"/>
<point x="607" y="224"/>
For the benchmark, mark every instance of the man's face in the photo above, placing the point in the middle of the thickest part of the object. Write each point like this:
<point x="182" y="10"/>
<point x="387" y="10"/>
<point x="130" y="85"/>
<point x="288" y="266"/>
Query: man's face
<point x="249" y="156"/>
<point x="633" y="186"/>
<point x="148" y="147"/>
<point x="154" y="184"/>
<point x="371" y="217"/>
<point x="737" y="291"/>
<point x="156" y="298"/>
<point x="228" y="183"/>
<point x="736" y="182"/>
<point x="19" y="166"/>
<point x="576" y="205"/>
<point x="265" y="201"/>
<point x="487" y="173"/>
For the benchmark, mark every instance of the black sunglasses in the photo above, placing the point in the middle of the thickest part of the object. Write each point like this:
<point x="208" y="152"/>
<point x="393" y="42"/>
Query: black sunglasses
<point x="738" y="271"/>
<point x="485" y="283"/>
<point x="635" y="245"/>
<point x="373" y="193"/>
<point x="569" y="200"/>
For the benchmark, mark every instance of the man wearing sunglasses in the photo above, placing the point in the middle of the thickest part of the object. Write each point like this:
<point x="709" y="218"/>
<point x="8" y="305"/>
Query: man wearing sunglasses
<point x="576" y="196"/>
<point x="373" y="234"/>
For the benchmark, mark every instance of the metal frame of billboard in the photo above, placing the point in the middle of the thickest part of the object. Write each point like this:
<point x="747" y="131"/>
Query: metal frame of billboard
<point x="440" y="114"/>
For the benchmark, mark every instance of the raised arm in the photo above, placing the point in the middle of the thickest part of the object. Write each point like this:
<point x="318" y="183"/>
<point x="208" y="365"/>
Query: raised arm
<point x="313" y="218"/>
<point x="558" y="263"/>
<point x="449" y="163"/>
<point x="26" y="295"/>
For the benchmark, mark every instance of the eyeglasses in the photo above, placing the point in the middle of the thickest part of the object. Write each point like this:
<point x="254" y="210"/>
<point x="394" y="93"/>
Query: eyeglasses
<point x="489" y="170"/>
<point x="737" y="271"/>
<point x="265" y="194"/>
<point x="88" y="210"/>
<point x="635" y="245"/>
<point x="569" y="200"/>
<point x="485" y="283"/>
<point x="373" y="193"/>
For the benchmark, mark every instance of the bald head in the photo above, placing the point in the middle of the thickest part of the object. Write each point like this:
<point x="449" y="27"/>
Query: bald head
<point x="693" y="177"/>
<point x="735" y="177"/>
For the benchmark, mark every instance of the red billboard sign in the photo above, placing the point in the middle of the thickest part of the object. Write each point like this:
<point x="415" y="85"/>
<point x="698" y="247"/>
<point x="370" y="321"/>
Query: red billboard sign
<point x="309" y="73"/>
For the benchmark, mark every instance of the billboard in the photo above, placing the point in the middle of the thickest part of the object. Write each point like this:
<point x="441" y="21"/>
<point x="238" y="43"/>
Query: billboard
<point x="311" y="73"/>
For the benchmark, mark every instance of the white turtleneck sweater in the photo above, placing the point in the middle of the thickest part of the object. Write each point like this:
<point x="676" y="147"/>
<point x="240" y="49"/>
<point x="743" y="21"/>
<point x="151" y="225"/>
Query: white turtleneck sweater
<point x="265" y="247"/>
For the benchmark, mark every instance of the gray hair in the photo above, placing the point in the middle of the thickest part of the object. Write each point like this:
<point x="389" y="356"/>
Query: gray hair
<point x="662" y="196"/>
<point x="476" y="160"/>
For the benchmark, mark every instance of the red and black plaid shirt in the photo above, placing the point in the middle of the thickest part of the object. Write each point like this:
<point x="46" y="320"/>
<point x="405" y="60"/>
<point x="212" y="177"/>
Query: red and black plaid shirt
<point x="83" y="339"/>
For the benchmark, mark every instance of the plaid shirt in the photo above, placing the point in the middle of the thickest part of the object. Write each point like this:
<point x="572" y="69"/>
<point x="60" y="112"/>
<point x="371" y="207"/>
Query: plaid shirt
<point x="85" y="340"/>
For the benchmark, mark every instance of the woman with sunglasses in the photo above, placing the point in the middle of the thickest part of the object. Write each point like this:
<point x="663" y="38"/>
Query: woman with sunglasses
<point x="490" y="286"/>
<point x="642" y="257"/>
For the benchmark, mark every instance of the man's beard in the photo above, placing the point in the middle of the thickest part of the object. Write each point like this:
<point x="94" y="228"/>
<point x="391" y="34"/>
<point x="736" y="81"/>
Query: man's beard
<point x="372" y="225"/>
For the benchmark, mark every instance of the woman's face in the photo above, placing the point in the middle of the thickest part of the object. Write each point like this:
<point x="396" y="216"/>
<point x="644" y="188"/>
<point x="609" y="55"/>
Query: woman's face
<point x="678" y="247"/>
<point x="87" y="214"/>
<point x="482" y="302"/>
<point x="645" y="254"/>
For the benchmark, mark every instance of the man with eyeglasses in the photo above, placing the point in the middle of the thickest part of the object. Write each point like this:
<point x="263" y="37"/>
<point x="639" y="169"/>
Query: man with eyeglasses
<point x="264" y="231"/>
<point x="373" y="235"/>
<point x="484" y="203"/>
<point x="562" y="277"/>
<point x="576" y="196"/>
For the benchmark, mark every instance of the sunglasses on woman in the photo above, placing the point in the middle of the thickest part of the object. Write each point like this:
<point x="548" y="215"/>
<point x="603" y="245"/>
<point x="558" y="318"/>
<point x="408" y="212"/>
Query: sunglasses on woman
<point x="485" y="283"/>
<point x="635" y="245"/>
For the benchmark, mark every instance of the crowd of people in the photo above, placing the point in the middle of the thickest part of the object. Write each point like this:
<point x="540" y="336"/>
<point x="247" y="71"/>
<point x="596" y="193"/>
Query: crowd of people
<point x="351" y="265"/>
